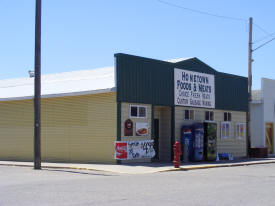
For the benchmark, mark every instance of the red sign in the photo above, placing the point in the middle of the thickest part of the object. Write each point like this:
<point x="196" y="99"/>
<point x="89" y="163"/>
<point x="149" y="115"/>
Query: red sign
<point x="121" y="150"/>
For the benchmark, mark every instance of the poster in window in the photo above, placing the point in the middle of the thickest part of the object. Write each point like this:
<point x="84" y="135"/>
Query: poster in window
<point x="237" y="130"/>
<point x="225" y="129"/>
<point x="241" y="130"/>
<point x="141" y="128"/>
<point x="240" y="127"/>
<point x="222" y="130"/>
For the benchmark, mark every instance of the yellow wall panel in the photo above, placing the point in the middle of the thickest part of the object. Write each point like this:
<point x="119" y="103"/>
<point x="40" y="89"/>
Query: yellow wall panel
<point x="16" y="130"/>
<point x="74" y="129"/>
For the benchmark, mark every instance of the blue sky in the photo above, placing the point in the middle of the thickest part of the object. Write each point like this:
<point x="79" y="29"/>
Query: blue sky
<point x="85" y="34"/>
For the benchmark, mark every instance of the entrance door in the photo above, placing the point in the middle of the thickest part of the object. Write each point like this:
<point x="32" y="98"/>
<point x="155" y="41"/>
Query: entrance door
<point x="269" y="131"/>
<point x="156" y="137"/>
<point x="162" y="132"/>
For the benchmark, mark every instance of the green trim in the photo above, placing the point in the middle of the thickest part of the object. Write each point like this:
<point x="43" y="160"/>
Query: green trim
<point x="152" y="125"/>
<point x="118" y="121"/>
<point x="172" y="131"/>
<point x="118" y="138"/>
<point x="152" y="121"/>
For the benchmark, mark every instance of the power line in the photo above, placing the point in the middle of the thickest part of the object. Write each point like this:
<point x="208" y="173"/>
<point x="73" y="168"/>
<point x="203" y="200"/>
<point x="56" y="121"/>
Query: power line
<point x="263" y="44"/>
<point x="224" y="17"/>
<point x="263" y="30"/>
<point x="263" y="38"/>
<point x="202" y="12"/>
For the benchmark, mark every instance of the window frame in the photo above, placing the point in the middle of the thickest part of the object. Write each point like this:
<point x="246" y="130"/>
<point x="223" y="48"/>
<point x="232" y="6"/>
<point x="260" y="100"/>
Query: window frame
<point x="226" y="116"/>
<point x="236" y="127"/>
<point x="189" y="112"/>
<point x="229" y="130"/>
<point x="209" y="120"/>
<point x="138" y="107"/>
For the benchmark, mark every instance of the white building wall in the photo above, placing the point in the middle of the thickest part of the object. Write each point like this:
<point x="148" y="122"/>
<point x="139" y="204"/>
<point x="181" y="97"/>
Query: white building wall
<point x="257" y="131"/>
<point x="268" y="94"/>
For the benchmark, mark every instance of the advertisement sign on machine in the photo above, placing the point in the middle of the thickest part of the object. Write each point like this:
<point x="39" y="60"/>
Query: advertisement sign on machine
<point x="198" y="131"/>
<point x="128" y="150"/>
<point x="187" y="143"/>
<point x="194" y="89"/>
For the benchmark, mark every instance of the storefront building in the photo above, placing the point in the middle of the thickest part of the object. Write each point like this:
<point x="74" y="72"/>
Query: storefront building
<point x="263" y="116"/>
<point x="133" y="112"/>
<point x="162" y="97"/>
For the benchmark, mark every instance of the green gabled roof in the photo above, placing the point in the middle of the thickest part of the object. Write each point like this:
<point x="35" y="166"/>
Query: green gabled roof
<point x="195" y="64"/>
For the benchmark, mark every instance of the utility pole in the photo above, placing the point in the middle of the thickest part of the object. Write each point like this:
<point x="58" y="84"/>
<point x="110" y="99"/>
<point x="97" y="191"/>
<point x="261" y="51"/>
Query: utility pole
<point x="249" y="84"/>
<point x="37" y="87"/>
<point x="250" y="60"/>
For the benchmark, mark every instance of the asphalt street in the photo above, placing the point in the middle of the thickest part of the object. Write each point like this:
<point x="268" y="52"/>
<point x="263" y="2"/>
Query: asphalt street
<point x="244" y="185"/>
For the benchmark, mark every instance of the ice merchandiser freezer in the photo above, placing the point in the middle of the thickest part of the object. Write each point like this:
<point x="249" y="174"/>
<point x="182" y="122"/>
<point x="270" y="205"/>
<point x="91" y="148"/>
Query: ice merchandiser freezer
<point x="198" y="137"/>
<point x="210" y="141"/>
<point x="187" y="143"/>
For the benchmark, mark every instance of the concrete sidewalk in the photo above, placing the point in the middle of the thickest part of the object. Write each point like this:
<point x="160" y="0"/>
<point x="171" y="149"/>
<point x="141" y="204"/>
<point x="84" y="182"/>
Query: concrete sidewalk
<point x="143" y="168"/>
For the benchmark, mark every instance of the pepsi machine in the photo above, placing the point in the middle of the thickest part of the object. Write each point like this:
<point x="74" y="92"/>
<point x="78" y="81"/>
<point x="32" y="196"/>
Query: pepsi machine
<point x="198" y="141"/>
<point x="187" y="143"/>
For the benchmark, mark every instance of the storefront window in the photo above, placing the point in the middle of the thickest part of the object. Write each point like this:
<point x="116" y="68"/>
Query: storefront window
<point x="142" y="112"/>
<point x="239" y="130"/>
<point x="134" y="111"/>
<point x="189" y="114"/>
<point x="209" y="116"/>
<point x="225" y="129"/>
<point x="227" y="116"/>
<point x="137" y="111"/>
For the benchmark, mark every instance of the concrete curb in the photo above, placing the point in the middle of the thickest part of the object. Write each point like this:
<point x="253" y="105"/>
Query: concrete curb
<point x="182" y="168"/>
<point x="227" y="165"/>
<point x="195" y="167"/>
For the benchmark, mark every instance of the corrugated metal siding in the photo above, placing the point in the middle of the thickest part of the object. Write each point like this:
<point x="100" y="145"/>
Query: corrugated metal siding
<point x="141" y="80"/>
<point x="16" y="130"/>
<point x="149" y="81"/>
<point x="74" y="129"/>
<point x="231" y="92"/>
<point x="196" y="65"/>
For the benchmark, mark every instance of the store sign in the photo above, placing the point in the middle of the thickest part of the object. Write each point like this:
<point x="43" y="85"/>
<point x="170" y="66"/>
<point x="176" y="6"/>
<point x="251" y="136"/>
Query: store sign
<point x="194" y="89"/>
<point x="129" y="150"/>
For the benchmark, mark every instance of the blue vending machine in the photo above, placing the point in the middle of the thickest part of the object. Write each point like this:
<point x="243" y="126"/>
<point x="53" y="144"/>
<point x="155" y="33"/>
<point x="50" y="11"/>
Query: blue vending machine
<point x="198" y="132"/>
<point x="187" y="143"/>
